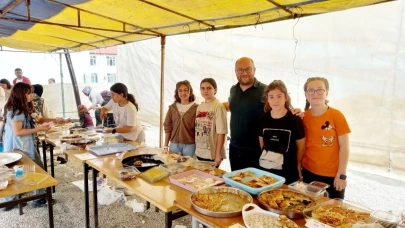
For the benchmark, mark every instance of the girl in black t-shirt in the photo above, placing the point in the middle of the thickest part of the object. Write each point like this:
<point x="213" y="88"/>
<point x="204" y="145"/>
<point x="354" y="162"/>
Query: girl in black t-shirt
<point x="281" y="135"/>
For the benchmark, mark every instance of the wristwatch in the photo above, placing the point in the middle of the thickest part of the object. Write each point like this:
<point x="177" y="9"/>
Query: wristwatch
<point x="114" y="131"/>
<point x="342" y="177"/>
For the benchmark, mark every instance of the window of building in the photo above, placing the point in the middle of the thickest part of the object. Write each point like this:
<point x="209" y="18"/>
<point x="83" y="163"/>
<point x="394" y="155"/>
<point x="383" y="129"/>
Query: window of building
<point x="111" y="78"/>
<point x="93" y="60"/>
<point x="93" y="78"/>
<point x="110" y="60"/>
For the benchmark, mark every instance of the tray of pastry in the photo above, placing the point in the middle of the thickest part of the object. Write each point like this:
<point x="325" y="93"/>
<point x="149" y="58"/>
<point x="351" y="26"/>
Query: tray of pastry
<point x="285" y="202"/>
<point x="195" y="180"/>
<point x="338" y="213"/>
<point x="154" y="174"/>
<point x="253" y="180"/>
<point x="220" y="202"/>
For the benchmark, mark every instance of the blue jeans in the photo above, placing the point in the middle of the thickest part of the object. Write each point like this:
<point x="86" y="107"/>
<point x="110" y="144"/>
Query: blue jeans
<point x="183" y="149"/>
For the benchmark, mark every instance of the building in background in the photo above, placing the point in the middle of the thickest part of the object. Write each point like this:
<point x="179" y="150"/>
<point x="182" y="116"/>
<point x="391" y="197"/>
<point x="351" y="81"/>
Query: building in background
<point x="102" y="66"/>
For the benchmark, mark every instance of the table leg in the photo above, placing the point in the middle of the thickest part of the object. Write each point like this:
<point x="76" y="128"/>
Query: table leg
<point x="95" y="197"/>
<point x="50" y="206"/>
<point x="156" y="209"/>
<point x="44" y="155"/>
<point x="20" y="206"/>
<point x="52" y="163"/>
<point x="147" y="205"/>
<point x="86" y="194"/>
<point x="168" y="219"/>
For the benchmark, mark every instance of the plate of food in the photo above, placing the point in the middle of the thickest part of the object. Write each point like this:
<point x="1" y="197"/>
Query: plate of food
<point x="220" y="202"/>
<point x="285" y="202"/>
<point x="253" y="180"/>
<point x="7" y="158"/>
<point x="338" y="213"/>
<point x="255" y="217"/>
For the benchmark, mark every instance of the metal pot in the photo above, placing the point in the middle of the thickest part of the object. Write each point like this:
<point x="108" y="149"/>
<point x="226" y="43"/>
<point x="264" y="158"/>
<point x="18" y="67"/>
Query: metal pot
<point x="234" y="213"/>
<point x="289" y="214"/>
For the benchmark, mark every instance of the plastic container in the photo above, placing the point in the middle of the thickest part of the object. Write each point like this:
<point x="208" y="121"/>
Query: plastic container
<point x="319" y="184"/>
<point x="256" y="173"/>
<point x="386" y="219"/>
<point x="154" y="174"/>
<point x="127" y="173"/>
<point x="204" y="166"/>
<point x="173" y="168"/>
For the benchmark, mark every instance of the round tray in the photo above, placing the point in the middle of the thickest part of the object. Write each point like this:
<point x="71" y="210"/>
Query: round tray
<point x="289" y="214"/>
<point x="145" y="158"/>
<point x="220" y="190"/>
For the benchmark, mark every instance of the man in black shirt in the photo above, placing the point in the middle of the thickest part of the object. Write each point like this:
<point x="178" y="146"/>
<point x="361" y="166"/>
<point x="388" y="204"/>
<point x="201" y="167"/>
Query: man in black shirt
<point x="246" y="103"/>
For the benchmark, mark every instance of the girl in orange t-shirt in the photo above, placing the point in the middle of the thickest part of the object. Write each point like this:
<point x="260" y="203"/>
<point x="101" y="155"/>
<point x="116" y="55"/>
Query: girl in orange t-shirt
<point x="327" y="140"/>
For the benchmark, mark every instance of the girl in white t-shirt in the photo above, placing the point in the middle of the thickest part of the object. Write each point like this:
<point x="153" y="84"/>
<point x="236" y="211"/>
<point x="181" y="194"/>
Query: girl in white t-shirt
<point x="125" y="111"/>
<point x="211" y="125"/>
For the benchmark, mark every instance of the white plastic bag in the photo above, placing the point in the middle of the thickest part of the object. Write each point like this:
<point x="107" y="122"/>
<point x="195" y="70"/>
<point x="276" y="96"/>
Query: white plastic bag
<point x="107" y="196"/>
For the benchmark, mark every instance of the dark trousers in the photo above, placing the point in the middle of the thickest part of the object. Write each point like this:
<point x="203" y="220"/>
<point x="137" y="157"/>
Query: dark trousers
<point x="241" y="158"/>
<point x="309" y="177"/>
<point x="97" y="113"/>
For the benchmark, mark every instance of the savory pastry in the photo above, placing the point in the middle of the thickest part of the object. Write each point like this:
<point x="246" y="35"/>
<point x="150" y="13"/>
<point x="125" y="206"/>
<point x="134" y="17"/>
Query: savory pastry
<point x="285" y="222"/>
<point x="285" y="200"/>
<point x="138" y="163"/>
<point x="338" y="216"/>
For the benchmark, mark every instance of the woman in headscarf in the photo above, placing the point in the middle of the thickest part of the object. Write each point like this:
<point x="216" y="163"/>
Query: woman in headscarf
<point x="109" y="119"/>
<point x="96" y="101"/>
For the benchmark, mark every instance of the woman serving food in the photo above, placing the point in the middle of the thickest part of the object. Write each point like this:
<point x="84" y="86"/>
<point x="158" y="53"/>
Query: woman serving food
<point x="125" y="111"/>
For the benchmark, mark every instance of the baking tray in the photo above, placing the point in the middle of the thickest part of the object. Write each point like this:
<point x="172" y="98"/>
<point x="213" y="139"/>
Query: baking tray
<point x="289" y="214"/>
<point x="234" y="213"/>
<point x="154" y="174"/>
<point x="174" y="179"/>
<point x="145" y="158"/>
<point x="256" y="173"/>
<point x="111" y="149"/>
<point x="336" y="202"/>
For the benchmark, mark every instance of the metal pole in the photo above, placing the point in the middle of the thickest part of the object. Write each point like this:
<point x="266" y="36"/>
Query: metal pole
<point x="162" y="88"/>
<point x="72" y="77"/>
<point x="61" y="84"/>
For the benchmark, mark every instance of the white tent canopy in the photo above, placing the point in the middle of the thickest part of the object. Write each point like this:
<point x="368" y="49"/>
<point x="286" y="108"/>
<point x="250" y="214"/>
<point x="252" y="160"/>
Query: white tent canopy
<point x="360" y="51"/>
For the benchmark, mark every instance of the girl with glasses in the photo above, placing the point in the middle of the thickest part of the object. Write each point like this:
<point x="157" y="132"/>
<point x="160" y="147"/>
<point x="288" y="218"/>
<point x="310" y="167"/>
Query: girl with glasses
<point x="281" y="134"/>
<point x="211" y="125"/>
<point x="327" y="139"/>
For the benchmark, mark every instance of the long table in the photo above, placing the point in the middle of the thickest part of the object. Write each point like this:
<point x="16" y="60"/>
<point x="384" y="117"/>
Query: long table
<point x="161" y="194"/>
<point x="18" y="188"/>
<point x="184" y="204"/>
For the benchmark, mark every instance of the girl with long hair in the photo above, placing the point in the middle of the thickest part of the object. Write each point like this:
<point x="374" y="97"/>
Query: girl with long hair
<point x="125" y="111"/>
<point x="281" y="134"/>
<point x="327" y="142"/>
<point x="211" y="125"/>
<point x="179" y="123"/>
<point x="20" y="129"/>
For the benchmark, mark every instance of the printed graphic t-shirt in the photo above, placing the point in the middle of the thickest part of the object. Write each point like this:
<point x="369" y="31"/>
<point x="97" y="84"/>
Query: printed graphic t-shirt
<point x="210" y="121"/>
<point x="322" y="145"/>
<point x="279" y="136"/>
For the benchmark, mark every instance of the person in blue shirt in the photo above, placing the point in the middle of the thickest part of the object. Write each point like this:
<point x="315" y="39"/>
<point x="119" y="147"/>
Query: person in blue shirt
<point x="21" y="125"/>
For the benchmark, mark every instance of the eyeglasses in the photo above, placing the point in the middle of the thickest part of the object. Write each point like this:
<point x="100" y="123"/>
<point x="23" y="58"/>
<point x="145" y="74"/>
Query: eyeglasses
<point x="318" y="91"/>
<point x="247" y="70"/>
